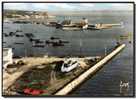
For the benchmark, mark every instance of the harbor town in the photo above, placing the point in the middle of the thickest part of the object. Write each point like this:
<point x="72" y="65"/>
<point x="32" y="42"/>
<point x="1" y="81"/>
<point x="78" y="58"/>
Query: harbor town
<point x="50" y="54"/>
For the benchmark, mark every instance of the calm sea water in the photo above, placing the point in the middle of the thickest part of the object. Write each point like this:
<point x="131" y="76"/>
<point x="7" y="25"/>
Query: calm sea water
<point x="93" y="42"/>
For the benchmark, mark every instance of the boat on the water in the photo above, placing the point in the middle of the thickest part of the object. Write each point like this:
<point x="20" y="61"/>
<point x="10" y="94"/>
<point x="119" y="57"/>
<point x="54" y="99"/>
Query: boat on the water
<point x="3" y="42"/>
<point x="52" y="23"/>
<point x="12" y="33"/>
<point x="63" y="41"/>
<point x="38" y="45"/>
<point x="5" y="34"/>
<point x="19" y="35"/>
<point x="19" y="30"/>
<point x="54" y="44"/>
<point x="71" y="28"/>
<point x="34" y="39"/>
<point x="18" y="43"/>
<point x="21" y="22"/>
<point x="53" y="38"/>
<point x="29" y="35"/>
<point x="68" y="25"/>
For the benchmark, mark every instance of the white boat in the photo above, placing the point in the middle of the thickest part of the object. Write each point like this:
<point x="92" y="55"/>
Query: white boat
<point x="69" y="65"/>
<point x="68" y="25"/>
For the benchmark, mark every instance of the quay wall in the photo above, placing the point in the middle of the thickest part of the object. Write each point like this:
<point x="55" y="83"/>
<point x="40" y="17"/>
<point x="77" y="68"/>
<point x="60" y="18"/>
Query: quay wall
<point x="73" y="84"/>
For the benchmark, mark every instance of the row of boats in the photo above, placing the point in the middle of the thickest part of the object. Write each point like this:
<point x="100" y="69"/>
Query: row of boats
<point x="42" y="43"/>
<point x="52" y="41"/>
<point x="10" y="34"/>
<point x="36" y="42"/>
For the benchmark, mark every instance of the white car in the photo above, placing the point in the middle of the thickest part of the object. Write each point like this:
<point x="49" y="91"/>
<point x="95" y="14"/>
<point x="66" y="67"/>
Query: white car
<point x="69" y="65"/>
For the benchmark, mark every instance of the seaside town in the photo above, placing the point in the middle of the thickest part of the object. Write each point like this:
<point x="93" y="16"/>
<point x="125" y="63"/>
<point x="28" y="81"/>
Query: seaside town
<point x="36" y="61"/>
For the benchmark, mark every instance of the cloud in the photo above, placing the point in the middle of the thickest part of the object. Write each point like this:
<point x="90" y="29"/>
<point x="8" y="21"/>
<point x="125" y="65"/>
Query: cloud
<point x="39" y="6"/>
<point x="68" y="6"/>
<point x="18" y="6"/>
<point x="87" y="5"/>
<point x="121" y="6"/>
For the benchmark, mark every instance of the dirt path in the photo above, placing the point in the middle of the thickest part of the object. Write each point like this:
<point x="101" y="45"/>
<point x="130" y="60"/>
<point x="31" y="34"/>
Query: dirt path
<point x="53" y="77"/>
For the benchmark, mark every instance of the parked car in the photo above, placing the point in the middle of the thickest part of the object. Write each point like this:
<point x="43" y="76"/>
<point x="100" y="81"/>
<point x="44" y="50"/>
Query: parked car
<point x="69" y="65"/>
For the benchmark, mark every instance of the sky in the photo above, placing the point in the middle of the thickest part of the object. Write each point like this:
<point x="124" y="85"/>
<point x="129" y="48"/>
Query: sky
<point x="68" y="6"/>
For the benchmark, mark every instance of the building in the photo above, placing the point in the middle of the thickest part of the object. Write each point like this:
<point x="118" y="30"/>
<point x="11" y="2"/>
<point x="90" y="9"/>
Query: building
<point x="7" y="57"/>
<point x="39" y="15"/>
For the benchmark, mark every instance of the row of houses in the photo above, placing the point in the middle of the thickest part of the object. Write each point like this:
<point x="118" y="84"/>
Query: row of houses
<point x="28" y="15"/>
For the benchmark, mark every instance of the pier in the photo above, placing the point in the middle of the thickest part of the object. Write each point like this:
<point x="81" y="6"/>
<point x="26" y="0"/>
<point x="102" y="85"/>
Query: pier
<point x="65" y="83"/>
<point x="69" y="87"/>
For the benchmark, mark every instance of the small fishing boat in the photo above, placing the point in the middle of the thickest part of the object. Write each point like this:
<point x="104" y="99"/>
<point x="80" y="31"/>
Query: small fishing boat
<point x="19" y="35"/>
<point x="21" y="22"/>
<point x="51" y="24"/>
<point x="53" y="38"/>
<point x="48" y="42"/>
<point x="3" y="42"/>
<point x="18" y="43"/>
<point x="29" y="35"/>
<point x="39" y="41"/>
<point x="33" y="39"/>
<point x="39" y="45"/>
<point x="5" y="34"/>
<point x="11" y="33"/>
<point x="63" y="41"/>
<point x="54" y="44"/>
<point x="18" y="30"/>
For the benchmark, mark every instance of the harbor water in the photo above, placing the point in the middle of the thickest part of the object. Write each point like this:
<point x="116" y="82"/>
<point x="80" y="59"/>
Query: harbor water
<point x="85" y="43"/>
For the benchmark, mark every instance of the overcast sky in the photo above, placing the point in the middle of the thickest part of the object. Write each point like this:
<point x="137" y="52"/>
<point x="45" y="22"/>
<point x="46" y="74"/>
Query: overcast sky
<point x="68" y="6"/>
